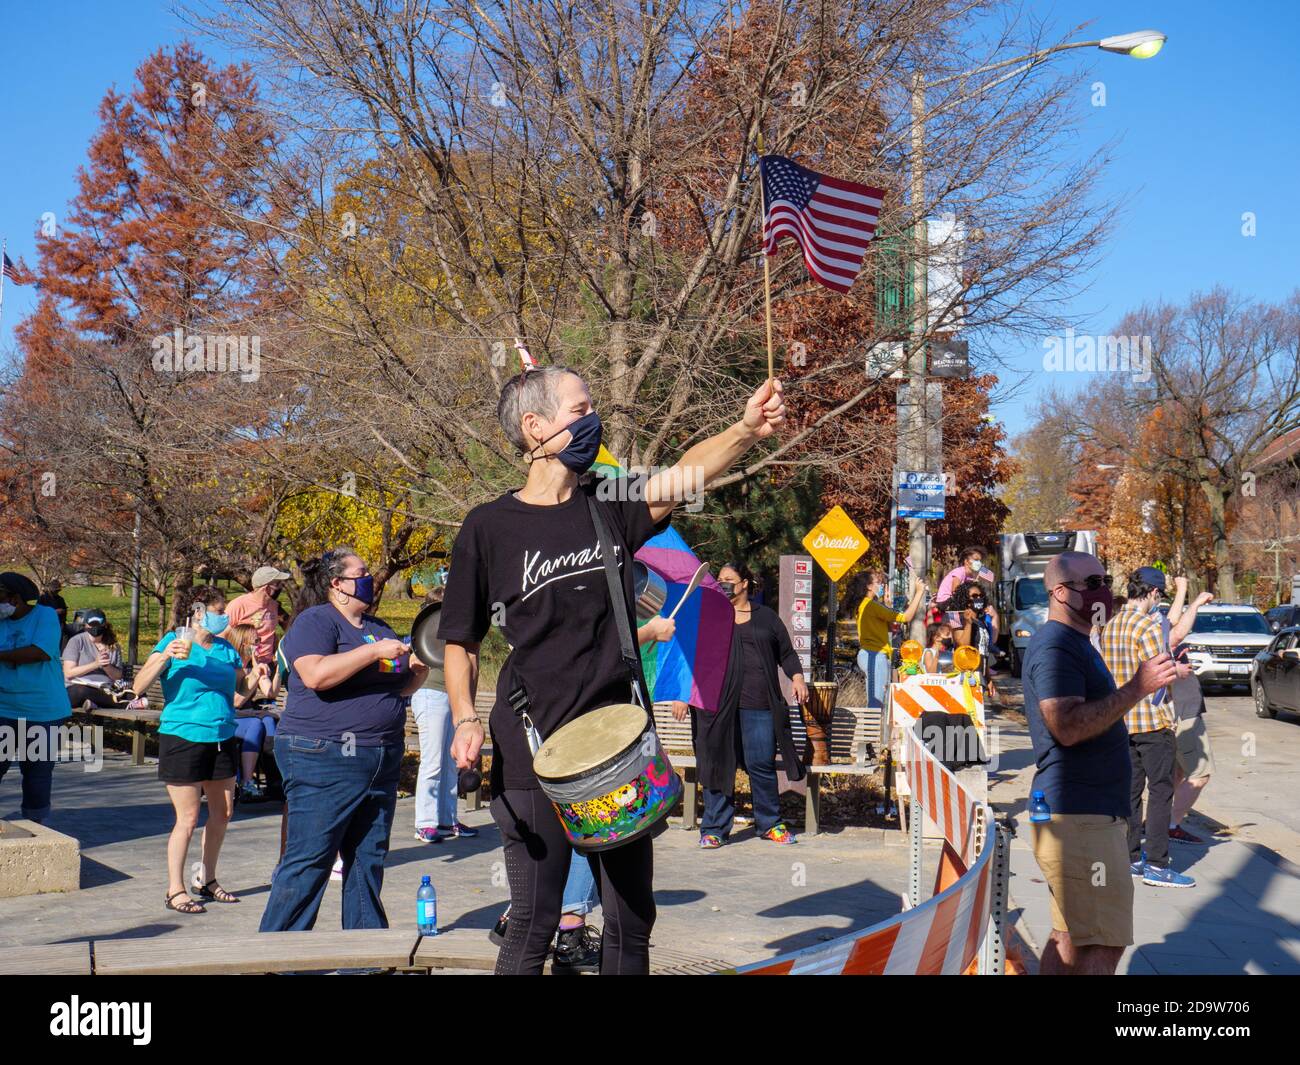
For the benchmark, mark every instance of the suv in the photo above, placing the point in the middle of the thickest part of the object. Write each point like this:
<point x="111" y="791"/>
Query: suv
<point x="1283" y="617"/>
<point x="1224" y="641"/>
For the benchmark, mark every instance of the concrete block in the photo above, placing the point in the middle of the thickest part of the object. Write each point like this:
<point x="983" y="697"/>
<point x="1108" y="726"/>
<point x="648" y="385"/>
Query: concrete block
<point x="35" y="860"/>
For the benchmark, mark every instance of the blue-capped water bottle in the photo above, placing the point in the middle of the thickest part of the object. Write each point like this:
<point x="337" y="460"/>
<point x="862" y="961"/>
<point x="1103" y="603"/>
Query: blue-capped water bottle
<point x="426" y="908"/>
<point x="1039" y="811"/>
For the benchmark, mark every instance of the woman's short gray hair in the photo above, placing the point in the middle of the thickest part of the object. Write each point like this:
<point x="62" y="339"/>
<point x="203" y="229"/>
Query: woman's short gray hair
<point x="531" y="392"/>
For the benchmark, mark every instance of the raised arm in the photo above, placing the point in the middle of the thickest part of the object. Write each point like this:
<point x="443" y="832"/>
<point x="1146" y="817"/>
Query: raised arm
<point x="1072" y="719"/>
<point x="1187" y="618"/>
<point x="700" y="465"/>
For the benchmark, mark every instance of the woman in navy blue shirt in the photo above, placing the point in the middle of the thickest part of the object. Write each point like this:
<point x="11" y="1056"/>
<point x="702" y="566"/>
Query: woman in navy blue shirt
<point x="339" y="745"/>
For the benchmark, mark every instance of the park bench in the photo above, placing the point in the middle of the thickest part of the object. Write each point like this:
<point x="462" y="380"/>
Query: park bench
<point x="483" y="702"/>
<point x="51" y="959"/>
<point x="855" y="745"/>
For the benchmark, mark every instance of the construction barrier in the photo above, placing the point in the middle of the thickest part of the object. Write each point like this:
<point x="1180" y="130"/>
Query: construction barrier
<point x="960" y="927"/>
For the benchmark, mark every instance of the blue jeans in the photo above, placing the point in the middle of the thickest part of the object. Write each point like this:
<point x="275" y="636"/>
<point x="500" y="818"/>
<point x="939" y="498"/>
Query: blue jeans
<point x="435" y="781"/>
<point x="38" y="773"/>
<point x="338" y="803"/>
<point x="580" y="895"/>
<point x="757" y="741"/>
<point x="875" y="667"/>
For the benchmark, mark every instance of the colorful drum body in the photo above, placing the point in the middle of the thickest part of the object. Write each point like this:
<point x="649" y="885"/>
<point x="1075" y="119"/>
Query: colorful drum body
<point x="608" y="778"/>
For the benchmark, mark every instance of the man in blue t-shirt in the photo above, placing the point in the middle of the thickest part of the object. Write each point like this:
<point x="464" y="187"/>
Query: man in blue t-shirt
<point x="1076" y="721"/>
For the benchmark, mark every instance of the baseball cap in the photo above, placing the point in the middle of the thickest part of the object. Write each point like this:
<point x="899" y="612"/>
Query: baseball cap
<point x="1152" y="576"/>
<point x="17" y="584"/>
<point x="267" y="574"/>
<point x="91" y="616"/>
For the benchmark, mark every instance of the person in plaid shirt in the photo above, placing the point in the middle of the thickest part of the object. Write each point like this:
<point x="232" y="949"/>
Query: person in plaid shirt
<point x="1132" y="637"/>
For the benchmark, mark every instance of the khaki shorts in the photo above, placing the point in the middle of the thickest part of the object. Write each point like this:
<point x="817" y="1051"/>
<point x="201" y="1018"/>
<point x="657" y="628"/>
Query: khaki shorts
<point x="1195" y="758"/>
<point x="1084" y="859"/>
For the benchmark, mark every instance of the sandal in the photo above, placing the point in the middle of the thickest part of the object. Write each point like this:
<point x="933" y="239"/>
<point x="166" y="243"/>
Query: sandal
<point x="213" y="892"/>
<point x="188" y="906"/>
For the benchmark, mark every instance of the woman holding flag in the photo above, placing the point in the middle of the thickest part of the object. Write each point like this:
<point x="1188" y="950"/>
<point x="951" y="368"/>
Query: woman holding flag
<point x="530" y="561"/>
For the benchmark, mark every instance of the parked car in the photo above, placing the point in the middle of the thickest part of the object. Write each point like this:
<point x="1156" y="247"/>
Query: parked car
<point x="1224" y="641"/>
<point x="1283" y="617"/>
<point x="1275" y="681"/>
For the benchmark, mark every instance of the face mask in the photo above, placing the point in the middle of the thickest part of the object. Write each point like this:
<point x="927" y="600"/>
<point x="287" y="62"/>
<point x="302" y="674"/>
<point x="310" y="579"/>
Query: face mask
<point x="6" y="610"/>
<point x="95" y="629"/>
<point x="946" y="644"/>
<point x="582" y="449"/>
<point x="973" y="568"/>
<point x="215" y="623"/>
<point x="728" y="588"/>
<point x="363" y="589"/>
<point x="1098" y="605"/>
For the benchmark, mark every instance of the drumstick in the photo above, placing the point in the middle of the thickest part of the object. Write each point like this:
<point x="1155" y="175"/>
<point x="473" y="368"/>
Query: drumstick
<point x="695" y="583"/>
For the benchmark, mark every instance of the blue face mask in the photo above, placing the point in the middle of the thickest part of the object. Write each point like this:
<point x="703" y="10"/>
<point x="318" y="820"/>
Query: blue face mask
<point x="215" y="623"/>
<point x="363" y="589"/>
<point x="582" y="449"/>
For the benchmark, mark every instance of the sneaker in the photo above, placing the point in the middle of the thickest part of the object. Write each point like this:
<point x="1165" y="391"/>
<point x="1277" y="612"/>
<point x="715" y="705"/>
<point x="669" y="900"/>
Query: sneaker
<point x="1137" y="869"/>
<point x="1183" y="836"/>
<point x="250" y="792"/>
<point x="1166" y="877"/>
<point x="577" y="950"/>
<point x="337" y="872"/>
<point x="138" y="704"/>
<point x="458" y="829"/>
<point x="428" y="835"/>
<point x="710" y="842"/>
<point x="780" y="834"/>
<point x="498" y="933"/>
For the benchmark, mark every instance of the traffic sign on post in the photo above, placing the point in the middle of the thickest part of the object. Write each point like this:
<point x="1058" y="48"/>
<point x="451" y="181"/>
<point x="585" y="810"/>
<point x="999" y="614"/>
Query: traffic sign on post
<point x="921" y="495"/>
<point x="836" y="543"/>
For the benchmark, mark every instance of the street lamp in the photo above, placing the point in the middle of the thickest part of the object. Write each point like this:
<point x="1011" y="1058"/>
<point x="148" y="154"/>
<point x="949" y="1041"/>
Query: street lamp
<point x="1140" y="45"/>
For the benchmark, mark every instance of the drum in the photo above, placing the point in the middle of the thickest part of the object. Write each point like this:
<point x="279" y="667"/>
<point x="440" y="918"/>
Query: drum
<point x="817" y="717"/>
<point x="608" y="778"/>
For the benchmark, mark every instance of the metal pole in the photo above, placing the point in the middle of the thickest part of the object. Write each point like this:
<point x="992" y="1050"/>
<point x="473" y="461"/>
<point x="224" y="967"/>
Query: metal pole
<point x="993" y="951"/>
<point x="916" y="825"/>
<point x="832" y="608"/>
<point x="133" y="639"/>
<point x="893" y="537"/>
<point x="917" y="430"/>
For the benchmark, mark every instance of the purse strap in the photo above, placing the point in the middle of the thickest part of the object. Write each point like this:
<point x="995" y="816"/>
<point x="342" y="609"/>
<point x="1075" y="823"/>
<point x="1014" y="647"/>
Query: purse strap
<point x="631" y="656"/>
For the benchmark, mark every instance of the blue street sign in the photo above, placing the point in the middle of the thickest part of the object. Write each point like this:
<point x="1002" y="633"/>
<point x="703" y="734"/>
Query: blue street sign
<point x="920" y="495"/>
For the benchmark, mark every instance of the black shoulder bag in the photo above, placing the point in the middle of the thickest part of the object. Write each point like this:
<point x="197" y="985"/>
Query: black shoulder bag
<point x="631" y="656"/>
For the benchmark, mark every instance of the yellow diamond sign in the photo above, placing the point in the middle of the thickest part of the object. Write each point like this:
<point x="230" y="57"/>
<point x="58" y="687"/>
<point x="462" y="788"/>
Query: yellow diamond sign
<point x="836" y="543"/>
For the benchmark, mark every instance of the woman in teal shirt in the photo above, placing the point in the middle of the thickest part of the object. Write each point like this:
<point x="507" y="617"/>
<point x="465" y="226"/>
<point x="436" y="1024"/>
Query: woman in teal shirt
<point x="198" y="753"/>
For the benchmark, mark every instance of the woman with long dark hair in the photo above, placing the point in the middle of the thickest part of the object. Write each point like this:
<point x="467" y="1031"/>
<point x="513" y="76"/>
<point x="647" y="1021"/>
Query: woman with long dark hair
<point x="92" y="662"/>
<point x="752" y="723"/>
<point x="339" y="745"/>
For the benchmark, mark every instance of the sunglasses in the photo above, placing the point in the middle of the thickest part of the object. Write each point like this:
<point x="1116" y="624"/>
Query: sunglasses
<point x="1092" y="583"/>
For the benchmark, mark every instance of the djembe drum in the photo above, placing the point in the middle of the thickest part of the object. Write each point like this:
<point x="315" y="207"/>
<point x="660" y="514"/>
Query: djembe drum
<point x="817" y="716"/>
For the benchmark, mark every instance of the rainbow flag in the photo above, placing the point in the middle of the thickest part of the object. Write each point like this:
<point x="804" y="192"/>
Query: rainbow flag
<point x="692" y="666"/>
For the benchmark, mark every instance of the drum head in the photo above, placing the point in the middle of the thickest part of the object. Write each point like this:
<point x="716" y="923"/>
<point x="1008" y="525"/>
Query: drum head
<point x="590" y="741"/>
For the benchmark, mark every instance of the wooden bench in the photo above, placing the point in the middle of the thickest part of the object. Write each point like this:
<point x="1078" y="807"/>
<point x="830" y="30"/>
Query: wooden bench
<point x="484" y="700"/>
<point x="52" y="959"/>
<point x="465" y="948"/>
<point x="265" y="952"/>
<point x="855" y="746"/>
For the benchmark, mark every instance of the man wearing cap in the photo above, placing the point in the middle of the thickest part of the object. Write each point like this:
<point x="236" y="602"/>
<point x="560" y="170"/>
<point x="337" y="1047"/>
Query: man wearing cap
<point x="32" y="696"/>
<point x="1134" y="636"/>
<point x="261" y="609"/>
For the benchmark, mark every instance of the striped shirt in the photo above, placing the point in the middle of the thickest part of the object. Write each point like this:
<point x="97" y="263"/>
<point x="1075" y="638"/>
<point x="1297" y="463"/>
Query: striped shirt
<point x="1130" y="638"/>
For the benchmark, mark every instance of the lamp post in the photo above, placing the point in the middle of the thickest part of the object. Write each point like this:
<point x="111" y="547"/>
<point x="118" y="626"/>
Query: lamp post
<point x="914" y="451"/>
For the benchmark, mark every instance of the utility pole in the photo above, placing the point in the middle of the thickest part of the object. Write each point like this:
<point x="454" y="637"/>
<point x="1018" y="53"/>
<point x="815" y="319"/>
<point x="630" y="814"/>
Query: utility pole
<point x="915" y="436"/>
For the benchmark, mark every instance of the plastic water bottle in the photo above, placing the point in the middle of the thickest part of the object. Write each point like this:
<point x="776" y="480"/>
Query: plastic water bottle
<point x="1039" y="811"/>
<point x="426" y="908"/>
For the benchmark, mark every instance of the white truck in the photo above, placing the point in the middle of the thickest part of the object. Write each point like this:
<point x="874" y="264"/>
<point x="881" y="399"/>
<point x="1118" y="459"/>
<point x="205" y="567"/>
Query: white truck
<point x="1021" y="598"/>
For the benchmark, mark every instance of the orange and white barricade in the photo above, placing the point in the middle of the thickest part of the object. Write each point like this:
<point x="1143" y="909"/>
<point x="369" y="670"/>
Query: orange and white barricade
<point x="960" y="928"/>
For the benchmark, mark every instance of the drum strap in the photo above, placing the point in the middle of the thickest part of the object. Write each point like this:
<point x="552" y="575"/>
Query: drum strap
<point x="631" y="657"/>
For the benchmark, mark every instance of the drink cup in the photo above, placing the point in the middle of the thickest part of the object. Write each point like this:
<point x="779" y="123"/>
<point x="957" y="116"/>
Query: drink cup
<point x="185" y="639"/>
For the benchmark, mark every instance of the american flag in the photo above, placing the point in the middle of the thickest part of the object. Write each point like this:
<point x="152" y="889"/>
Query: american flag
<point x="11" y="271"/>
<point x="832" y="220"/>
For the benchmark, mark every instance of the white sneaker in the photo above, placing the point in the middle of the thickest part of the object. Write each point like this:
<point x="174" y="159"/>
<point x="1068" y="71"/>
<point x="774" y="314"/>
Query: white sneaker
<point x="337" y="872"/>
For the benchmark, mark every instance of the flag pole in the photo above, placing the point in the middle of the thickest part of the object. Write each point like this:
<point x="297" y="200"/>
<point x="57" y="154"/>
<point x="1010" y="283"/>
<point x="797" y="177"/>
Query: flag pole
<point x="4" y="248"/>
<point x="767" y="270"/>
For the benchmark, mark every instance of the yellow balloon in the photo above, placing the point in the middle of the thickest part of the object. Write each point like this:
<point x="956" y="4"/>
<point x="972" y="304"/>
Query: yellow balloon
<point x="910" y="651"/>
<point x="967" y="659"/>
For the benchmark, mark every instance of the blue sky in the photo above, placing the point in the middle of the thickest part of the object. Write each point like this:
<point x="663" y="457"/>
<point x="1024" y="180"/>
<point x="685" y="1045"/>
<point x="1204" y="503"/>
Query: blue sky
<point x="1208" y="132"/>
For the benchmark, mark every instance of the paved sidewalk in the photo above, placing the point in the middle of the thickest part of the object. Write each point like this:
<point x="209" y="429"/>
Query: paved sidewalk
<point x="750" y="900"/>
<point x="1240" y="918"/>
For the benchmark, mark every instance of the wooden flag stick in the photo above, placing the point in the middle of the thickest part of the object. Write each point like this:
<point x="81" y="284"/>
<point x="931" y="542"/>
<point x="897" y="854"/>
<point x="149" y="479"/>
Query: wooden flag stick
<point x="767" y="270"/>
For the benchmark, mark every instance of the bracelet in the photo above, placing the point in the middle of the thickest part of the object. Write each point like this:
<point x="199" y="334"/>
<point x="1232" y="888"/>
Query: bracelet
<point x="467" y="720"/>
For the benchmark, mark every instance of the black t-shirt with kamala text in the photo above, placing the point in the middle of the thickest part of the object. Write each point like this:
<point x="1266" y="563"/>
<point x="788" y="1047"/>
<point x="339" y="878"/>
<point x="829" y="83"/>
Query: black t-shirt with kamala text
<point x="538" y="572"/>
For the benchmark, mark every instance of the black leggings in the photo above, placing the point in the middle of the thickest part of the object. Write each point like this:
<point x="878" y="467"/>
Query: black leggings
<point x="79" y="693"/>
<point x="537" y="865"/>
